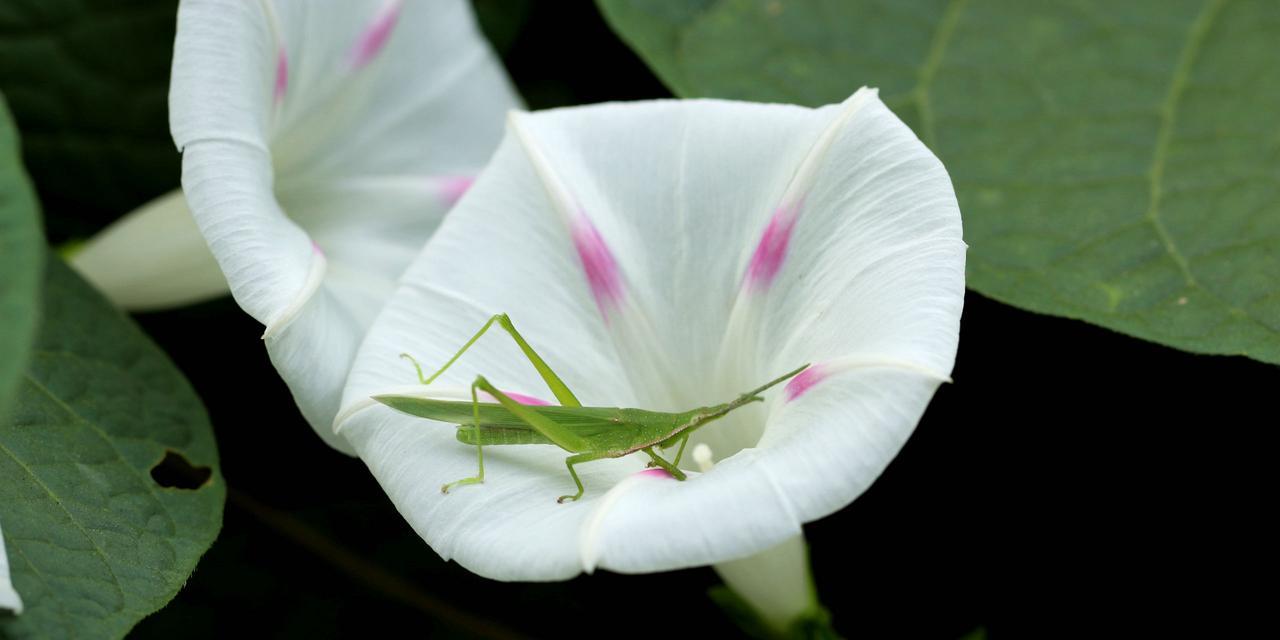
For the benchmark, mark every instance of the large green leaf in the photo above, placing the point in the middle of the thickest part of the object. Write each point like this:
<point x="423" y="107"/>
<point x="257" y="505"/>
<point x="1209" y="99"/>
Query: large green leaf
<point x="1116" y="162"/>
<point x="109" y="489"/>
<point x="21" y="256"/>
<point x="88" y="82"/>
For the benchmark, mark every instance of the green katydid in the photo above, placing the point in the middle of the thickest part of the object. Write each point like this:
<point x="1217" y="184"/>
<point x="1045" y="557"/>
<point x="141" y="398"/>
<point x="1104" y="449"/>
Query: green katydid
<point x="589" y="433"/>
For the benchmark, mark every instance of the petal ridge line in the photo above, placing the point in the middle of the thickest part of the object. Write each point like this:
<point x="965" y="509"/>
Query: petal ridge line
<point x="806" y="173"/>
<point x="604" y="278"/>
<point x="281" y="82"/>
<point x="375" y="35"/>
<point x="563" y="203"/>
<point x="771" y="250"/>
<point x="826" y="369"/>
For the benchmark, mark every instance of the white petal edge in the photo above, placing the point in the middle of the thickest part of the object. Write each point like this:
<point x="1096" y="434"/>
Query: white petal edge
<point x="151" y="259"/>
<point x="9" y="598"/>
<point x="269" y="262"/>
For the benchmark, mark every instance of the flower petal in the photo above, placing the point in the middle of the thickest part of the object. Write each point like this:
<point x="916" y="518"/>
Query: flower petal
<point x="9" y="598"/>
<point x="224" y="62"/>
<point x="153" y="258"/>
<point x="775" y="581"/>
<point x="322" y="144"/>
<point x="680" y="195"/>
<point x="266" y="258"/>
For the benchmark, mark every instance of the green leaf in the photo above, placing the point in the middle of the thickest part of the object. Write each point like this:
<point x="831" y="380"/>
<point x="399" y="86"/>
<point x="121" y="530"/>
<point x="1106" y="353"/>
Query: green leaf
<point x="109" y="488"/>
<point x="1116" y="162"/>
<point x="88" y="83"/>
<point x="21" y="256"/>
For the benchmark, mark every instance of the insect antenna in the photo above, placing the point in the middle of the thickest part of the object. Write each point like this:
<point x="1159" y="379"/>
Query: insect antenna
<point x="754" y="394"/>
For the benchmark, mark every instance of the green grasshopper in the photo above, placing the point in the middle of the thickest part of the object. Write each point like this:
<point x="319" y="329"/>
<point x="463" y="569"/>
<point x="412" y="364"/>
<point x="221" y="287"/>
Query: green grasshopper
<point x="589" y="433"/>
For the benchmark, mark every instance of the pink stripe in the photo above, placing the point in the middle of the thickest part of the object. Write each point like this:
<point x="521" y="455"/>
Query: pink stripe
<point x="772" y="250"/>
<point x="376" y="34"/>
<point x="452" y="188"/>
<point x="654" y="473"/>
<point x="282" y="75"/>
<point x="804" y="381"/>
<point x="315" y="247"/>
<point x="522" y="399"/>
<point x="599" y="265"/>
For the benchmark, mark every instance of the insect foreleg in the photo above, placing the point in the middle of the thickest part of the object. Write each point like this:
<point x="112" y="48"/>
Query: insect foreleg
<point x="670" y="468"/>
<point x="475" y="408"/>
<point x="553" y="381"/>
<point x="429" y="380"/>
<point x="684" y="440"/>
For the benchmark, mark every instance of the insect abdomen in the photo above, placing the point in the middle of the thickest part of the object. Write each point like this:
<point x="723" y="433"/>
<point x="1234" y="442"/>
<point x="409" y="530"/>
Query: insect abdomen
<point x="500" y="435"/>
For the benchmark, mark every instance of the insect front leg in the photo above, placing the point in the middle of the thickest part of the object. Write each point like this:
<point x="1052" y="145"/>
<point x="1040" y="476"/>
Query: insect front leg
<point x="667" y="444"/>
<point x="684" y="440"/>
<point x="575" y="459"/>
<point x="475" y="407"/>
<point x="429" y="379"/>
<point x="667" y="466"/>
<point x="553" y="381"/>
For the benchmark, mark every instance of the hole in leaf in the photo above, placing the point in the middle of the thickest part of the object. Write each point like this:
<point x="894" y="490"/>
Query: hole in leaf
<point x="176" y="472"/>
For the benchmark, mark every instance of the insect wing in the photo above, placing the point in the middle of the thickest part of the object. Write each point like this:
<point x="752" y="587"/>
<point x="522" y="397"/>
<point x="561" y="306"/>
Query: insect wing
<point x="605" y="427"/>
<point x="584" y="421"/>
<point x="451" y="411"/>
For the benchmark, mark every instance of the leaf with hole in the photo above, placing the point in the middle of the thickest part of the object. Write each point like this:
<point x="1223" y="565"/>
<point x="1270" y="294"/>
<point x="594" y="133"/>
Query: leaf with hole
<point x="1115" y="162"/>
<point x="109" y="483"/>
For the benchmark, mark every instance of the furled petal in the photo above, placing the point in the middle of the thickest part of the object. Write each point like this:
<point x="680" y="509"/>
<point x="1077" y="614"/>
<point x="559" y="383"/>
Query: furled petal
<point x="8" y="596"/>
<point x="153" y="258"/>
<point x="776" y="582"/>
<point x="667" y="255"/>
<point x="322" y="144"/>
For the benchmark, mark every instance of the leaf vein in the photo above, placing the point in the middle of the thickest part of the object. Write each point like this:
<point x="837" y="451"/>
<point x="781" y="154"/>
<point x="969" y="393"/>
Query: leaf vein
<point x="1164" y="136"/>
<point x="52" y="496"/>
<point x="937" y="47"/>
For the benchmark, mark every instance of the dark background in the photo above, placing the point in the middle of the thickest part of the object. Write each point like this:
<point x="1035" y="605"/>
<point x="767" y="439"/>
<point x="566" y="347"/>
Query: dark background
<point x="1071" y="481"/>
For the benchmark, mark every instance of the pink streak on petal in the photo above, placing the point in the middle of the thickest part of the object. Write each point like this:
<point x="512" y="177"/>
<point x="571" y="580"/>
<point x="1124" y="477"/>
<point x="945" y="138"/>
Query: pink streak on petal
<point x="654" y="473"/>
<point x="453" y="187"/>
<point x="772" y="250"/>
<point x="376" y="34"/>
<point x="315" y="247"/>
<point x="804" y="381"/>
<point x="523" y="399"/>
<point x="282" y="75"/>
<point x="599" y="265"/>
<point x="519" y="397"/>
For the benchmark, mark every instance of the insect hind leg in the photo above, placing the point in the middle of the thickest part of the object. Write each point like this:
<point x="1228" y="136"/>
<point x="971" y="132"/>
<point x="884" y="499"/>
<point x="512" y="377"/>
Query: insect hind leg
<point x="475" y="408"/>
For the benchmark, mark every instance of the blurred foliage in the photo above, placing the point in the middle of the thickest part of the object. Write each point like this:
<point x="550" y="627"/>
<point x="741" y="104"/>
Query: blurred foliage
<point x="88" y="82"/>
<point x="21" y="258"/>
<point x="1115" y="162"/>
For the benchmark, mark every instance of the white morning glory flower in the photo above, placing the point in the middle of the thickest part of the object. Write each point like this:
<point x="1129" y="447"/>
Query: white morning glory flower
<point x="8" y="596"/>
<point x="322" y="144"/>
<point x="668" y="255"/>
